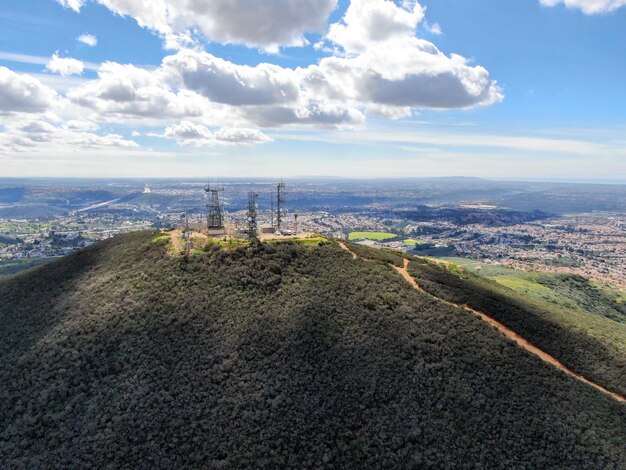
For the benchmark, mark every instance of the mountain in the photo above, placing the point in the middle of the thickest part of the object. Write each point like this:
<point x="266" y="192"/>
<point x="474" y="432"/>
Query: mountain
<point x="288" y="355"/>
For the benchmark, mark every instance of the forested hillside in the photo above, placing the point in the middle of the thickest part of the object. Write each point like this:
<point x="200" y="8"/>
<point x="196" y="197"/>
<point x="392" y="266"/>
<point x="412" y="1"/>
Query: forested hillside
<point x="280" y="355"/>
<point x="588" y="342"/>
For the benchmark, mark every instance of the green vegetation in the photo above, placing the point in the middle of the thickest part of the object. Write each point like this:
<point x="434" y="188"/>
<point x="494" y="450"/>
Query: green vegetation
<point x="162" y="239"/>
<point x="564" y="290"/>
<point x="383" y="256"/>
<point x="10" y="267"/>
<point x="435" y="251"/>
<point x="411" y="241"/>
<point x="565" y="316"/>
<point x="301" y="241"/>
<point x="376" y="236"/>
<point x="277" y="356"/>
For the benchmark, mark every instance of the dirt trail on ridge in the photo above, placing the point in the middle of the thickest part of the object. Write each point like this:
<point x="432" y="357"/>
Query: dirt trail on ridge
<point x="503" y="329"/>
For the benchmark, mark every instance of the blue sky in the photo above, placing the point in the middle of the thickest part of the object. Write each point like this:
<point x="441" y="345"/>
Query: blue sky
<point x="362" y="88"/>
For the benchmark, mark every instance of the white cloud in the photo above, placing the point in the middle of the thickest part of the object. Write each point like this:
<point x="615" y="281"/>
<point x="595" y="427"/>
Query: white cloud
<point x="196" y="135"/>
<point x="38" y="127"/>
<point x="75" y="5"/>
<point x="23" y="94"/>
<point x="64" y="66"/>
<point x="132" y="91"/>
<point x="368" y="22"/>
<point x="589" y="7"/>
<point x="264" y="24"/>
<point x="80" y="125"/>
<point x="241" y="136"/>
<point x="385" y="66"/>
<point x="42" y="135"/>
<point x="407" y="73"/>
<point x="378" y="66"/>
<point x="311" y="113"/>
<point x="434" y="28"/>
<point x="224" y="82"/>
<point x="88" y="39"/>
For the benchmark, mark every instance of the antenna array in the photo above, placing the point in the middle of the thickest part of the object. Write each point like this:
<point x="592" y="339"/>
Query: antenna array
<point x="215" y="215"/>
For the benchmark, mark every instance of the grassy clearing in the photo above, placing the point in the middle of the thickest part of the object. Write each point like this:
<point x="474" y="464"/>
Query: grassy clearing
<point x="162" y="239"/>
<point x="411" y="241"/>
<point x="376" y="236"/>
<point x="302" y="241"/>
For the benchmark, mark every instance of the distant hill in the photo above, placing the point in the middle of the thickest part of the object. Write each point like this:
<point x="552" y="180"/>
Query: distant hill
<point x="282" y="355"/>
<point x="11" y="195"/>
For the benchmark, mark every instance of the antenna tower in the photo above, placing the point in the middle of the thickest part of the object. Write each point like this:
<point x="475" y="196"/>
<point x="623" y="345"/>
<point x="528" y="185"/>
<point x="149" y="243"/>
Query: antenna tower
<point x="280" y="202"/>
<point x="187" y="235"/>
<point x="252" y="216"/>
<point x="272" y="210"/>
<point x="215" y="215"/>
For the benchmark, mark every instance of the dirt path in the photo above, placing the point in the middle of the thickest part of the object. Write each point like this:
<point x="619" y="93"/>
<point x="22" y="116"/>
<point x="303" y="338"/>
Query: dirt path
<point x="505" y="330"/>
<point x="345" y="247"/>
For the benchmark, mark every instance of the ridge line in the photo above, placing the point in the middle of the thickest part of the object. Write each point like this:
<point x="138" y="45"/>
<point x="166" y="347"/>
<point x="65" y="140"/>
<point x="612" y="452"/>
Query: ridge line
<point x="501" y="328"/>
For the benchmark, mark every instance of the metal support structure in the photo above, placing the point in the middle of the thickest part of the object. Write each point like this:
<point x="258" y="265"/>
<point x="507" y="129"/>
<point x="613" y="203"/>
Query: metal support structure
<point x="295" y="216"/>
<point x="186" y="236"/>
<point x="252" y="229"/>
<point x="280" y="202"/>
<point x="215" y="213"/>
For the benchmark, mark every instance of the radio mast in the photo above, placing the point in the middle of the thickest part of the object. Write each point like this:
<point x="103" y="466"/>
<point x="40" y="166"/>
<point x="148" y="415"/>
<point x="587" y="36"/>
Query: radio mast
<point x="280" y="202"/>
<point x="215" y="213"/>
<point x="251" y="230"/>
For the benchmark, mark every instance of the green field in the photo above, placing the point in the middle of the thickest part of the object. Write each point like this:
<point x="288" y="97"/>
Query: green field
<point x="569" y="291"/>
<point x="411" y="241"/>
<point x="596" y="311"/>
<point x="376" y="236"/>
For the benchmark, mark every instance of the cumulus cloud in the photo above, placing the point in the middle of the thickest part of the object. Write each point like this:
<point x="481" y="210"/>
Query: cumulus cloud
<point x="310" y="113"/>
<point x="196" y="135"/>
<point x="224" y="82"/>
<point x="88" y="39"/>
<point x="80" y="125"/>
<point x="385" y="67"/>
<point x="41" y="134"/>
<point x="23" y="93"/>
<point x="378" y="65"/>
<point x="589" y="7"/>
<point x="368" y="22"/>
<point x="406" y="73"/>
<point x="434" y="28"/>
<point x="38" y="128"/>
<point x="264" y="24"/>
<point x="132" y="91"/>
<point x="64" y="66"/>
<point x="75" y="5"/>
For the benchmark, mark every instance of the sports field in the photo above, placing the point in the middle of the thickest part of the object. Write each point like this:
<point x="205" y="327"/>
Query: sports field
<point x="376" y="236"/>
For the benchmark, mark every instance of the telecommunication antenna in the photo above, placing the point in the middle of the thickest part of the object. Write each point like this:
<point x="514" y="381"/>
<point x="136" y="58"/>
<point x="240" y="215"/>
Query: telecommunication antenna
<point x="280" y="202"/>
<point x="252" y="216"/>
<point x="215" y="214"/>
<point x="186" y="235"/>
<point x="272" y="210"/>
<point x="295" y="216"/>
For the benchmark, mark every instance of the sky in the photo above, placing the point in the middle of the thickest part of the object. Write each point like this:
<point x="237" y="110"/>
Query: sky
<point x="524" y="89"/>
